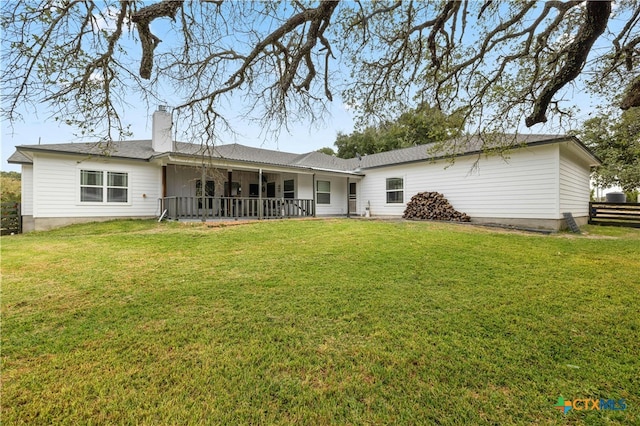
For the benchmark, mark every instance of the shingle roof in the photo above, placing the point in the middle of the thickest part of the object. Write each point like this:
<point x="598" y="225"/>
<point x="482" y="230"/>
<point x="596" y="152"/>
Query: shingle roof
<point x="141" y="150"/>
<point x="456" y="147"/>
<point x="19" y="157"/>
<point x="137" y="150"/>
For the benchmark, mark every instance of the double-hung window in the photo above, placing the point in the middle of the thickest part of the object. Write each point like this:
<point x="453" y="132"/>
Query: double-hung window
<point x="289" y="189"/>
<point x="91" y="186"/>
<point x="97" y="186"/>
<point x="395" y="190"/>
<point x="323" y="192"/>
<point x="117" y="187"/>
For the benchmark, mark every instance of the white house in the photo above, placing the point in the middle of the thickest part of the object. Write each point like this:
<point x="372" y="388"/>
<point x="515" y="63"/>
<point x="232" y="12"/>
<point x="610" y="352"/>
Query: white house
<point x="543" y="177"/>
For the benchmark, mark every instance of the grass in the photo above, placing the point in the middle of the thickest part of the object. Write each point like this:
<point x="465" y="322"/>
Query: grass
<point x="318" y="322"/>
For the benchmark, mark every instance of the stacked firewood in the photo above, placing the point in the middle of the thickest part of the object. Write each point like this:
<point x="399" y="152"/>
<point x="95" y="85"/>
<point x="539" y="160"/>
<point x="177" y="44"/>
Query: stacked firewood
<point x="432" y="206"/>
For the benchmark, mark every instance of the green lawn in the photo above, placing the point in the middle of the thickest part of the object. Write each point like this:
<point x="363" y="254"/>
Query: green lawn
<point x="318" y="322"/>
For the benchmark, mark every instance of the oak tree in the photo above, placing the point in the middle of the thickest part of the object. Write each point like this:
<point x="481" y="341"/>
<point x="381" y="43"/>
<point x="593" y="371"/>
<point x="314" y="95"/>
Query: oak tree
<point x="617" y="143"/>
<point x="420" y="126"/>
<point x="502" y="62"/>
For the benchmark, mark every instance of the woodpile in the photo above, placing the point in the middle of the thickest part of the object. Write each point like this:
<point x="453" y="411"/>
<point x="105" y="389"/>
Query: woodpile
<point x="432" y="206"/>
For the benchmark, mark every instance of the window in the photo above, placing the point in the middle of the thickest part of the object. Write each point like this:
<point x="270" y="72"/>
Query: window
<point x="395" y="193"/>
<point x="91" y="187"/>
<point x="117" y="187"/>
<point x="236" y="190"/>
<point x="289" y="189"/>
<point x="209" y="191"/>
<point x="96" y="184"/>
<point x="271" y="190"/>
<point x="323" y="192"/>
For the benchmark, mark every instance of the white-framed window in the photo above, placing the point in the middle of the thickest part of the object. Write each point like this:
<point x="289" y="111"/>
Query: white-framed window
<point x="98" y="186"/>
<point x="117" y="187"/>
<point x="323" y="192"/>
<point x="289" y="188"/>
<point x="395" y="190"/>
<point x="91" y="186"/>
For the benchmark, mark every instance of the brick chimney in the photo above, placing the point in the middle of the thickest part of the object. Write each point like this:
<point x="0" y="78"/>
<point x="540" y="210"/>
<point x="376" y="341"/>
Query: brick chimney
<point x="161" y="130"/>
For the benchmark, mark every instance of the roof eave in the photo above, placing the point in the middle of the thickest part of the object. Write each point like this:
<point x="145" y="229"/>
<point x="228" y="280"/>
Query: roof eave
<point x="86" y="154"/>
<point x="480" y="152"/>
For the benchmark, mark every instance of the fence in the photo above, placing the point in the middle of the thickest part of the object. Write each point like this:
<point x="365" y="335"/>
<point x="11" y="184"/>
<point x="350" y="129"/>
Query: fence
<point x="10" y="219"/>
<point x="615" y="214"/>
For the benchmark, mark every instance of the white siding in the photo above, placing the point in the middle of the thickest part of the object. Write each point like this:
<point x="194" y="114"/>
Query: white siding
<point x="338" y="200"/>
<point x="525" y="185"/>
<point x="305" y="187"/>
<point x="574" y="183"/>
<point x="26" y="183"/>
<point x="56" y="183"/>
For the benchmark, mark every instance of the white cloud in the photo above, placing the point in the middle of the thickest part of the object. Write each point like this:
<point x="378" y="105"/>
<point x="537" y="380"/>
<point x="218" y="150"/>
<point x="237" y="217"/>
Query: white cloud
<point x="105" y="20"/>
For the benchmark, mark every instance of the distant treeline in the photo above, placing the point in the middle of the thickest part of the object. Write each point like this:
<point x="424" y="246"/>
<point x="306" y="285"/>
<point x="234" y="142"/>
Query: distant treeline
<point x="10" y="186"/>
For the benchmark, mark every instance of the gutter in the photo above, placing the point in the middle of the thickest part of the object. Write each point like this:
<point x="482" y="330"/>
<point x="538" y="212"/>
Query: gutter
<point x="80" y="154"/>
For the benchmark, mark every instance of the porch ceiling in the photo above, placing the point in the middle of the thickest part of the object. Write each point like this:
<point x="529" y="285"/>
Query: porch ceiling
<point x="188" y="160"/>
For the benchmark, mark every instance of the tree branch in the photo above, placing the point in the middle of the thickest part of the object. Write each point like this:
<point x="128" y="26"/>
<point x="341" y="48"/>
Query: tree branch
<point x="632" y="96"/>
<point x="142" y="18"/>
<point x="597" y="16"/>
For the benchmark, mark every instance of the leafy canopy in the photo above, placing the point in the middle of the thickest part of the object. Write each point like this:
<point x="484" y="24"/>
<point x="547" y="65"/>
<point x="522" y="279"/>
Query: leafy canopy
<point x="617" y="143"/>
<point x="420" y="126"/>
<point x="10" y="187"/>
<point x="502" y="62"/>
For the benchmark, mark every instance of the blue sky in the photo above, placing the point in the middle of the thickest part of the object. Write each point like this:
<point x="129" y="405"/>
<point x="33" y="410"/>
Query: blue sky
<point x="37" y="127"/>
<point x="305" y="137"/>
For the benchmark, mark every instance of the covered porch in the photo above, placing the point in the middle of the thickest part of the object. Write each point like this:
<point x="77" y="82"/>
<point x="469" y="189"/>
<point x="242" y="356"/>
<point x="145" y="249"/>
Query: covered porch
<point x="209" y="192"/>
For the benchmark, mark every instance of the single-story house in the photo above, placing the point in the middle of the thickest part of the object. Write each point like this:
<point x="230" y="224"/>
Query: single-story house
<point x="543" y="177"/>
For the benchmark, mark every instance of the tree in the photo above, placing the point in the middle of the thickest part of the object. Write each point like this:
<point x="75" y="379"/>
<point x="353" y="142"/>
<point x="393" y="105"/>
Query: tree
<point x="327" y="150"/>
<point x="358" y="143"/>
<point x="419" y="126"/>
<point x="617" y="143"/>
<point x="501" y="62"/>
<point x="10" y="187"/>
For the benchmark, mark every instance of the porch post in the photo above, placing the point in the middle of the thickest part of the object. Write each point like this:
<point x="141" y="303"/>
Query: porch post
<point x="314" y="195"/>
<point x="348" y="201"/>
<point x="229" y="201"/>
<point x="260" y="206"/>
<point x="164" y="181"/>
<point x="203" y="186"/>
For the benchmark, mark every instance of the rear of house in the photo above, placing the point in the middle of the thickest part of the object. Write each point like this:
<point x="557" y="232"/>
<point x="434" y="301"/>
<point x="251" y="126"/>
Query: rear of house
<point x="531" y="186"/>
<point x="61" y="189"/>
<point x="537" y="181"/>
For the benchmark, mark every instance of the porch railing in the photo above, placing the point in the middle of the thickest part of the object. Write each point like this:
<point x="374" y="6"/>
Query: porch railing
<point x="176" y="208"/>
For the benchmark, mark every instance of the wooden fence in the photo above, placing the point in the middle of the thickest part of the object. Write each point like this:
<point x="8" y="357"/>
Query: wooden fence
<point x="615" y="214"/>
<point x="10" y="219"/>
